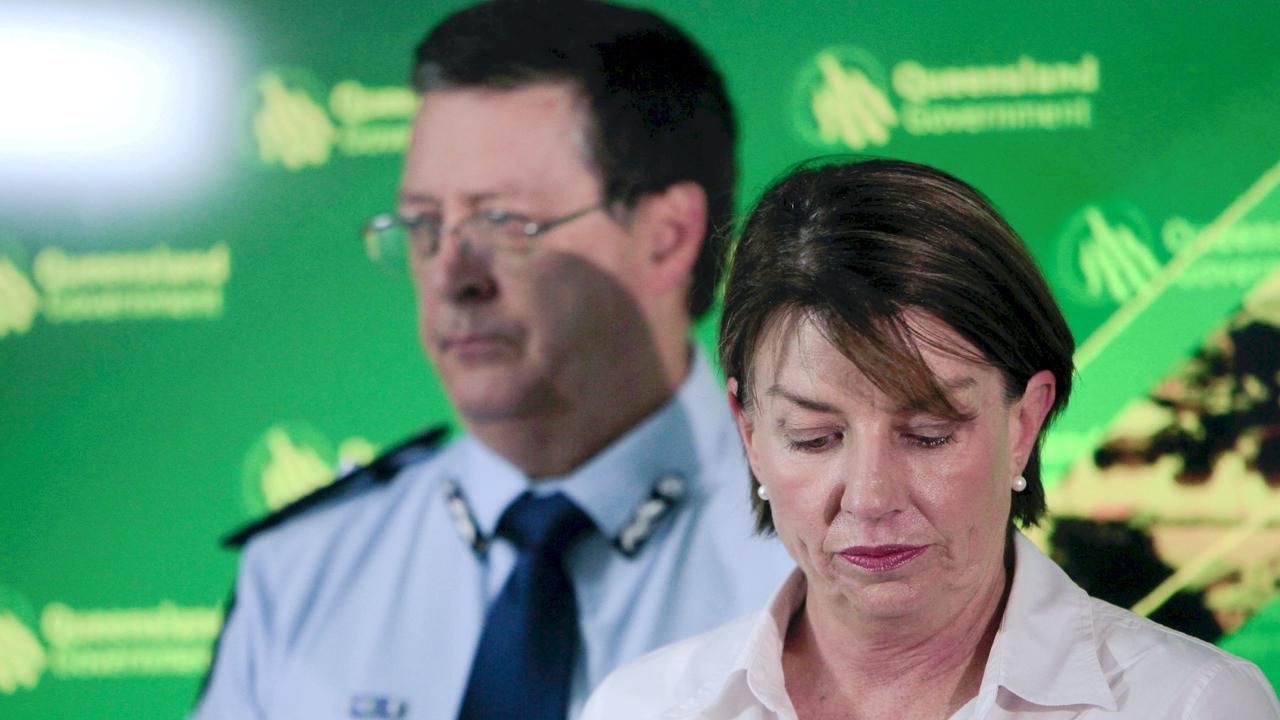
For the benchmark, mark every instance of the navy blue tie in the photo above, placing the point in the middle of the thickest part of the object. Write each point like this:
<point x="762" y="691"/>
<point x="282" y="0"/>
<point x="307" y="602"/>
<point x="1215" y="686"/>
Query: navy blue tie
<point x="524" y="663"/>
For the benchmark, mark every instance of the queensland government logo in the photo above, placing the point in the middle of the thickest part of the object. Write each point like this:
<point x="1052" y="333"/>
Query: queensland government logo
<point x="292" y="459"/>
<point x="844" y="97"/>
<point x="151" y="283"/>
<point x="96" y="643"/>
<point x="23" y="658"/>
<point x="19" y="301"/>
<point x="1108" y="252"/>
<point x="297" y="122"/>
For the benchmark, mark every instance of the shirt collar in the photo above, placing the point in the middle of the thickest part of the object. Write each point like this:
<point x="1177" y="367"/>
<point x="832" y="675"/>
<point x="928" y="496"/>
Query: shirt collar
<point x="610" y="486"/>
<point x="758" y="659"/>
<point x="1045" y="651"/>
<point x="763" y="654"/>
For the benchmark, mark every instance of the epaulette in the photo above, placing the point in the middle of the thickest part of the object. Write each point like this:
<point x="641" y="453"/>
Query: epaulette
<point x="380" y="471"/>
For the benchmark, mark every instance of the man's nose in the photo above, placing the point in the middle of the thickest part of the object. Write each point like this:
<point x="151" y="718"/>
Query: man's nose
<point x="459" y="271"/>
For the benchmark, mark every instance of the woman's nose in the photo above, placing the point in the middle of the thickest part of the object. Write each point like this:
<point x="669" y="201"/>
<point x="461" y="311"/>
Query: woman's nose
<point x="872" y="482"/>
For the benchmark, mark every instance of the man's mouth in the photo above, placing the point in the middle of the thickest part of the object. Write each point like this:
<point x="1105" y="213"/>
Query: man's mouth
<point x="473" y="346"/>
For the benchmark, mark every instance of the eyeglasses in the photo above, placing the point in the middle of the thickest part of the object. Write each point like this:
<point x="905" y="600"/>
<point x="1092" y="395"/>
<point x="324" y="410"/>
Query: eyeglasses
<point x="396" y="241"/>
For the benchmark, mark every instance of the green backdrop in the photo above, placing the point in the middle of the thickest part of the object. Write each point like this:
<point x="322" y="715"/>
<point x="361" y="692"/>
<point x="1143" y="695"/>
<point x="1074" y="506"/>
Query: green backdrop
<point x="181" y="358"/>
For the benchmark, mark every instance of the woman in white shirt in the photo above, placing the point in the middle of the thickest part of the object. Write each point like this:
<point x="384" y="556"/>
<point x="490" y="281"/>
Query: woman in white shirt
<point x="894" y="356"/>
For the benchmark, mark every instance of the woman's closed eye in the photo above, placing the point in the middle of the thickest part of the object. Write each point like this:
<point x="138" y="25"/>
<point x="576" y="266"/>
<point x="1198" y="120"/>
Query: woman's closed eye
<point x="925" y="440"/>
<point x="929" y="435"/>
<point x="815" y="443"/>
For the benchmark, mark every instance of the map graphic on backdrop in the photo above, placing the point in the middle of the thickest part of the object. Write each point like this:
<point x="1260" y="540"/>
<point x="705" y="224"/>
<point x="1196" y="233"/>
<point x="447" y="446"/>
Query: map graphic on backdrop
<point x="1186" y="484"/>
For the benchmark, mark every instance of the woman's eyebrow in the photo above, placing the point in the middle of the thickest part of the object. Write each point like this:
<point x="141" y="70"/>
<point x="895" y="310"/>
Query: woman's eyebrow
<point x="955" y="391"/>
<point x="804" y="402"/>
<point x="960" y="383"/>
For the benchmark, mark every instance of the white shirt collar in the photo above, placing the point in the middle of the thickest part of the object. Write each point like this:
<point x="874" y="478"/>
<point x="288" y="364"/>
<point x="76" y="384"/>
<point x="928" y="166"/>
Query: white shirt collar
<point x="1045" y="651"/>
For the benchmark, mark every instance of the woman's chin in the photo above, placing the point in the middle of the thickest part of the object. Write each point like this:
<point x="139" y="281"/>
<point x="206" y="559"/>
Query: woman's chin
<point x="885" y="601"/>
<point x="872" y="596"/>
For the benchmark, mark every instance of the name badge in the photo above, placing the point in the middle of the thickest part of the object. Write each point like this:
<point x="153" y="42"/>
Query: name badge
<point x="378" y="706"/>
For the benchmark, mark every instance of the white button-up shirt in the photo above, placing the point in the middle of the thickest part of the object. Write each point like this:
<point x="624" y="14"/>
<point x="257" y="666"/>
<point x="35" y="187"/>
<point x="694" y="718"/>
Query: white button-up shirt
<point x="1058" y="654"/>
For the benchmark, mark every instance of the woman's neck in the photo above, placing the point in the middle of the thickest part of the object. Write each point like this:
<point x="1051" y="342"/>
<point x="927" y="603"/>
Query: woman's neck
<point x="838" y="665"/>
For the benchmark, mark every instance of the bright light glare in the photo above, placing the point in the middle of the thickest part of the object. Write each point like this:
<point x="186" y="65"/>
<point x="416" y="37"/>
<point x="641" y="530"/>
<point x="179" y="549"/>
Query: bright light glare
<point x="109" y="98"/>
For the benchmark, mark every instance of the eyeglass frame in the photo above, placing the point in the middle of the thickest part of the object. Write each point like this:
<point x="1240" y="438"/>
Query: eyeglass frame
<point x="529" y="227"/>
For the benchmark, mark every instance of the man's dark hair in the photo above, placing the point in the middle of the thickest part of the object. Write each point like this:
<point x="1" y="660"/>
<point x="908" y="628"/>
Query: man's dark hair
<point x="658" y="112"/>
<point x="855" y="247"/>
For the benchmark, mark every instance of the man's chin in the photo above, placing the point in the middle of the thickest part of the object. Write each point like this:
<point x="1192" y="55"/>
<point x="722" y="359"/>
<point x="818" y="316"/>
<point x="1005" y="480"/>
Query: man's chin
<point x="476" y="414"/>
<point x="483" y="398"/>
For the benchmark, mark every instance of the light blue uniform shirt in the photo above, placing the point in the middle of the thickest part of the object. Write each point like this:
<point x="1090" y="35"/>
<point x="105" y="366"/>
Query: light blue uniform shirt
<point x="373" y="604"/>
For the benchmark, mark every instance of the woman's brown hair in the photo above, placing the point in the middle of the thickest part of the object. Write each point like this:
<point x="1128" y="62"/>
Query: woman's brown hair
<point x="854" y="247"/>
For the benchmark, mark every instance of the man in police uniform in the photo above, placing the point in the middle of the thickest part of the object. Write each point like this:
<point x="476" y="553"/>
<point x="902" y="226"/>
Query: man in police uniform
<point x="566" y="172"/>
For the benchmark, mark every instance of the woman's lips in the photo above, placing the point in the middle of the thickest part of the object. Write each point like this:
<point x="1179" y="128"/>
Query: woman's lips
<point x="882" y="558"/>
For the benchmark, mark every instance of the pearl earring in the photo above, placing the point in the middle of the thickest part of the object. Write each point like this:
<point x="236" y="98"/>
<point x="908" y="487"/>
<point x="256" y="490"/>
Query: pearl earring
<point x="1019" y="484"/>
<point x="762" y="492"/>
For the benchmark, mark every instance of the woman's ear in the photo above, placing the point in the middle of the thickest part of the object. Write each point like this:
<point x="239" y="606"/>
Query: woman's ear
<point x="741" y="417"/>
<point x="1027" y="416"/>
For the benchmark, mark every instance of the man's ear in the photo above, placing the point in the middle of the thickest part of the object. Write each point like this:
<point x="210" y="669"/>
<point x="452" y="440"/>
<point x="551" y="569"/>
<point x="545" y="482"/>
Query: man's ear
<point x="675" y="227"/>
<point x="1027" y="416"/>
<point x="741" y="418"/>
